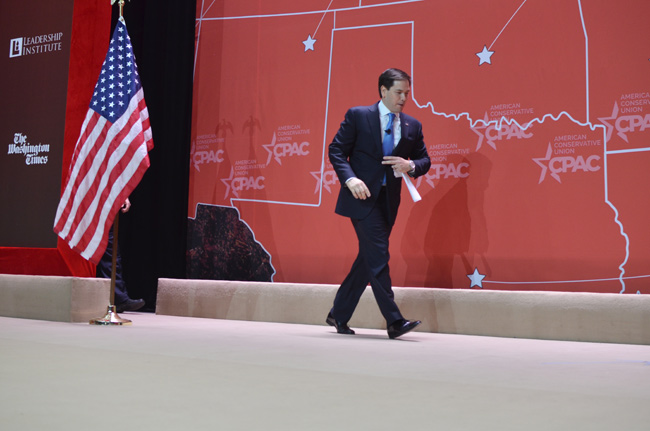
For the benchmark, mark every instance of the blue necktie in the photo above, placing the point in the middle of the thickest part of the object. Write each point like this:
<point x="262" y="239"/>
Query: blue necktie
<point x="389" y="139"/>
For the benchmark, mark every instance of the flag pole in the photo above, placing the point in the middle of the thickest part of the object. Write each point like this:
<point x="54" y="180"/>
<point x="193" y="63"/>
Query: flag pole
<point x="116" y="225"/>
<point x="126" y="136"/>
<point x="111" y="317"/>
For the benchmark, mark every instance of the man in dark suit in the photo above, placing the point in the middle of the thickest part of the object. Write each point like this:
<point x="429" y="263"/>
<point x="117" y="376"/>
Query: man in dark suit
<point x="374" y="146"/>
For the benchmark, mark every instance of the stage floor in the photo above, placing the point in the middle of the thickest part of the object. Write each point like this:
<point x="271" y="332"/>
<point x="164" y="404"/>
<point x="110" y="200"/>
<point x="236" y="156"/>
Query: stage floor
<point x="176" y="373"/>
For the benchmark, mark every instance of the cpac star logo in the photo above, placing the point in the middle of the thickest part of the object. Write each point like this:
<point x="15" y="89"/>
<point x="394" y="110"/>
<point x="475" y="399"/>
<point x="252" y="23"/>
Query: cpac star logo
<point x="329" y="178"/>
<point x="286" y="149"/>
<point x="428" y="178"/>
<point x="564" y="164"/>
<point x="624" y="123"/>
<point x="492" y="132"/>
<point x="543" y="163"/>
<point x="227" y="182"/>
<point x="238" y="184"/>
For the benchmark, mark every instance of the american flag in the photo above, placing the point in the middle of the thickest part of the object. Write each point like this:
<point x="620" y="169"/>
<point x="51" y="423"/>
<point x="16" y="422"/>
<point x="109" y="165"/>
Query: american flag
<point x="111" y="154"/>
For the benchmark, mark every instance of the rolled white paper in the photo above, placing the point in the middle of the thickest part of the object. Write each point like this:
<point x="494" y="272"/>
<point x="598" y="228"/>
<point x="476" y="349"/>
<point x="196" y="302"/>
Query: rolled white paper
<point x="409" y="185"/>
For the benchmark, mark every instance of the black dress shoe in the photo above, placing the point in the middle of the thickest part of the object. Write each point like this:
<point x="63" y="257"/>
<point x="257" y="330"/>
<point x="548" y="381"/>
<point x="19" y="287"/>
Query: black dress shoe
<point x="129" y="305"/>
<point x="341" y="328"/>
<point x="401" y="327"/>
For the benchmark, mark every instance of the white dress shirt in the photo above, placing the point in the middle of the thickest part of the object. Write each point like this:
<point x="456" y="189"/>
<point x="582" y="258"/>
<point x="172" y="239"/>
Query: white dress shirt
<point x="383" y="119"/>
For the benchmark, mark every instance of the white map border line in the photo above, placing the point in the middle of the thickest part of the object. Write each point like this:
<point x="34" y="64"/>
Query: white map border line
<point x="323" y="17"/>
<point x="629" y="150"/>
<point x="584" y="31"/>
<point x="567" y="281"/>
<point x="504" y="27"/>
<point x="198" y="26"/>
<point x="324" y="146"/>
<point x="205" y="10"/>
<point x="311" y="12"/>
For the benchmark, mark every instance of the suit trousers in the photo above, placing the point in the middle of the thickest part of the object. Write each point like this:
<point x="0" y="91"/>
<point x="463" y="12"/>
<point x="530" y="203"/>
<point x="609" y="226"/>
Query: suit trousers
<point x="370" y="266"/>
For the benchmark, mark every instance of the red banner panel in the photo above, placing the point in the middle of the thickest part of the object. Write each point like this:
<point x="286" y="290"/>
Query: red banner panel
<point x="536" y="116"/>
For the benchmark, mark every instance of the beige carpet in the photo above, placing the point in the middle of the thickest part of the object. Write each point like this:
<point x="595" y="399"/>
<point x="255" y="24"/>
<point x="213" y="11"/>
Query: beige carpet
<point x="176" y="373"/>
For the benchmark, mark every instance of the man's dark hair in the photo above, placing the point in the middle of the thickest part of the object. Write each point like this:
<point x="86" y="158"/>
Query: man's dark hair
<point x="389" y="76"/>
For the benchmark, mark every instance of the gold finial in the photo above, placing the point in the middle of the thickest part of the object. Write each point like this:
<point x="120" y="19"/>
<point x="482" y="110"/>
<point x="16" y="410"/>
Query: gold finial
<point x="121" y="3"/>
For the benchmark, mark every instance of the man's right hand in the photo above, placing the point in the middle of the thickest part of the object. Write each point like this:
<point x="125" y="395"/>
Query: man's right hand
<point x="358" y="188"/>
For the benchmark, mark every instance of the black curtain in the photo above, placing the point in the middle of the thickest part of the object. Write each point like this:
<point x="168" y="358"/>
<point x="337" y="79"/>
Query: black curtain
<point x="153" y="234"/>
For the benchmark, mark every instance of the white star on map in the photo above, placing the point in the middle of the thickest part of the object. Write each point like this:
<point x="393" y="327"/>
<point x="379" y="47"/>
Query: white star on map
<point x="476" y="279"/>
<point x="484" y="56"/>
<point x="309" y="43"/>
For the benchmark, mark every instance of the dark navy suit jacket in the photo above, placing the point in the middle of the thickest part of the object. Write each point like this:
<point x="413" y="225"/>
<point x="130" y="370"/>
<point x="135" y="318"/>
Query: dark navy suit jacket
<point x="356" y="151"/>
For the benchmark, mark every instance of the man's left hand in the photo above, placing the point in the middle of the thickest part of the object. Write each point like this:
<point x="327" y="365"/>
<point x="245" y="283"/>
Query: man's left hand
<point x="399" y="164"/>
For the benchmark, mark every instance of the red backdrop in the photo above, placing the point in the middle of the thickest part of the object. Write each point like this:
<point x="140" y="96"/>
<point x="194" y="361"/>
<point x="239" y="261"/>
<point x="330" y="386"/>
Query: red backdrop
<point x="535" y="115"/>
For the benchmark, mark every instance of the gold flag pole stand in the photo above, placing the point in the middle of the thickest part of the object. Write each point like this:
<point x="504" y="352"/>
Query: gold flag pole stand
<point x="111" y="317"/>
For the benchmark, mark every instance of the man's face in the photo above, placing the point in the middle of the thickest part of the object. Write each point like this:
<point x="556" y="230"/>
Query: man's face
<point x="395" y="98"/>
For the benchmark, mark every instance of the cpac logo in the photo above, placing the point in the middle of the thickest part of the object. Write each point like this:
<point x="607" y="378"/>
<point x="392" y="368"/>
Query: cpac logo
<point x="201" y="157"/>
<point x="624" y="124"/>
<point x="240" y="184"/>
<point x="563" y="164"/>
<point x="329" y="178"/>
<point x="280" y="150"/>
<point x="491" y="132"/>
<point x="443" y="172"/>
<point x="451" y="170"/>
